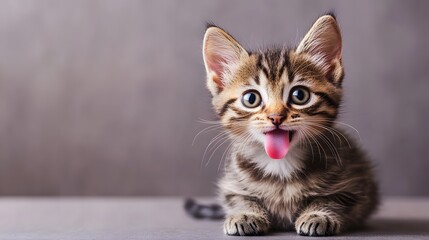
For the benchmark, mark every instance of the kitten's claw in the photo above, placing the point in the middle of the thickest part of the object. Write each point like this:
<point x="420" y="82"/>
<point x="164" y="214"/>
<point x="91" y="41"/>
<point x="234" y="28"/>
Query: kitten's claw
<point x="316" y="224"/>
<point x="245" y="225"/>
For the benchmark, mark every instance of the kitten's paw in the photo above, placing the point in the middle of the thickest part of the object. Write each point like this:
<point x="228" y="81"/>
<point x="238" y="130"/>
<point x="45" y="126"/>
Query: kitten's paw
<point x="317" y="224"/>
<point x="245" y="225"/>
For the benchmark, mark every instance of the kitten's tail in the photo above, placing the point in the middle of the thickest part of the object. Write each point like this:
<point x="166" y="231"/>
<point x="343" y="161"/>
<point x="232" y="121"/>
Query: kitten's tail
<point x="196" y="210"/>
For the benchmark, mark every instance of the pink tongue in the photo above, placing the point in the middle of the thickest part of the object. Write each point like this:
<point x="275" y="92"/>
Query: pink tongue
<point x="277" y="143"/>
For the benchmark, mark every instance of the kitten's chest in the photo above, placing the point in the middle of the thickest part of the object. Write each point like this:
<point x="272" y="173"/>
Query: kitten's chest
<point x="273" y="182"/>
<point x="282" y="200"/>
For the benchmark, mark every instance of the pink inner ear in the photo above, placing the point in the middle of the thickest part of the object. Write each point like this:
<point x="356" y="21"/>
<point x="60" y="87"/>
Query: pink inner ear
<point x="334" y="53"/>
<point x="216" y="64"/>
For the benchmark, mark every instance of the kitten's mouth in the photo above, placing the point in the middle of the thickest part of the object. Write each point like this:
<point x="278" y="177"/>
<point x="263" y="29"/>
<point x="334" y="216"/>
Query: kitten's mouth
<point x="277" y="143"/>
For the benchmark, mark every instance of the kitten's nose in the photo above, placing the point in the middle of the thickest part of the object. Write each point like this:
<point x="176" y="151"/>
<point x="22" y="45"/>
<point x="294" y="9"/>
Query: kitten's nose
<point x="276" y="119"/>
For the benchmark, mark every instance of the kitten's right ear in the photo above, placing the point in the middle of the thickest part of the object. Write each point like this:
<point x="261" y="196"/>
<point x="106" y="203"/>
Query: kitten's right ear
<point x="221" y="54"/>
<point x="323" y="43"/>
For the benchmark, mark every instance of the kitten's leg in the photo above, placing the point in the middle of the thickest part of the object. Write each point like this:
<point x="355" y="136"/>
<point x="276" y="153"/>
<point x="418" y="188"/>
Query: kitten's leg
<point x="246" y="216"/>
<point x="320" y="218"/>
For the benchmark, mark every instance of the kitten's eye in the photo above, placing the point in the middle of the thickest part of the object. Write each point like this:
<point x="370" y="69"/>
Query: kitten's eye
<point x="251" y="99"/>
<point x="299" y="95"/>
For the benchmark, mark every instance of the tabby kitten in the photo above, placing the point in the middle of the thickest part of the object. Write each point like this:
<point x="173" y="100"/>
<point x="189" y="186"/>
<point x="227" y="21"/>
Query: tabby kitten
<point x="290" y="167"/>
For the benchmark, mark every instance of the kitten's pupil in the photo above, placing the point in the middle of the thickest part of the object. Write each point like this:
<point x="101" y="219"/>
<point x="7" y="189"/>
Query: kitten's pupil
<point x="252" y="98"/>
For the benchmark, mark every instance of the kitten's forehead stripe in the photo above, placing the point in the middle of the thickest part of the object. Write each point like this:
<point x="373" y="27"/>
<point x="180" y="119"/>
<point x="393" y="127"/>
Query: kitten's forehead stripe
<point x="257" y="80"/>
<point x="274" y="63"/>
<point x="266" y="72"/>
<point x="272" y="58"/>
<point x="259" y="63"/>
<point x="286" y="67"/>
<point x="264" y="65"/>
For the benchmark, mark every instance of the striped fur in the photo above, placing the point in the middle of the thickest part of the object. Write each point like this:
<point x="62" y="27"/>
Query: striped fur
<point x="325" y="183"/>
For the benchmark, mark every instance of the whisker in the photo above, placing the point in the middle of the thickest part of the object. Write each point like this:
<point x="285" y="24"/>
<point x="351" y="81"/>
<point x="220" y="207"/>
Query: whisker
<point x="207" y="129"/>
<point x="318" y="145"/>
<point x="330" y="145"/>
<point x="335" y="122"/>
<point x="227" y="151"/>
<point x="333" y="131"/>
<point x="214" y="151"/>
<point x="305" y="138"/>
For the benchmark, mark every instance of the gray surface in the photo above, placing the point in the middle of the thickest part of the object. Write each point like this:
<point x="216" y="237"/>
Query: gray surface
<point x="164" y="218"/>
<point x="103" y="97"/>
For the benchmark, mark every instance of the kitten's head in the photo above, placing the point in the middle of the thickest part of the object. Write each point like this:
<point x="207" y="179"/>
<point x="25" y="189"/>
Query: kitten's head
<point x="276" y="97"/>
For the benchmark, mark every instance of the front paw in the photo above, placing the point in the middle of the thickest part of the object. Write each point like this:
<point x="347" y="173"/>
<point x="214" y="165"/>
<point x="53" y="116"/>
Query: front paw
<point x="245" y="225"/>
<point x="317" y="224"/>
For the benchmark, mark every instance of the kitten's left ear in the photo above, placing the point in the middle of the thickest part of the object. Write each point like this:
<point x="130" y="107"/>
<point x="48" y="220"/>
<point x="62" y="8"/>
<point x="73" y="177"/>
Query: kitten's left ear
<point x="221" y="54"/>
<point x="323" y="44"/>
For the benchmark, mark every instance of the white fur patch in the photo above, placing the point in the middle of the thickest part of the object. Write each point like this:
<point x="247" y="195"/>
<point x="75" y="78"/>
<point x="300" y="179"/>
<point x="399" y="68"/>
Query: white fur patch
<point x="282" y="168"/>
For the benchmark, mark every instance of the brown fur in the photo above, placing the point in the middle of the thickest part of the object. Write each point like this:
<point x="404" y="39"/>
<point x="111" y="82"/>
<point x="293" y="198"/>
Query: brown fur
<point x="325" y="183"/>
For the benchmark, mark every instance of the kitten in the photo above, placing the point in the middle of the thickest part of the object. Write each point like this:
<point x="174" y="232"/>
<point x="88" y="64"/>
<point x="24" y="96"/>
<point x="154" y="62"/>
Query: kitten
<point x="290" y="167"/>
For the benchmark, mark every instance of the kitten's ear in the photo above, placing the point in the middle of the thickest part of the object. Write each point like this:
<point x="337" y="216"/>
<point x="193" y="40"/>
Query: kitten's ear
<point x="323" y="44"/>
<point x="221" y="54"/>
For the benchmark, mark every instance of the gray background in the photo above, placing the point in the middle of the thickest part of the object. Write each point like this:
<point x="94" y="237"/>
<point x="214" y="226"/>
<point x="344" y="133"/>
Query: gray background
<point x="104" y="97"/>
